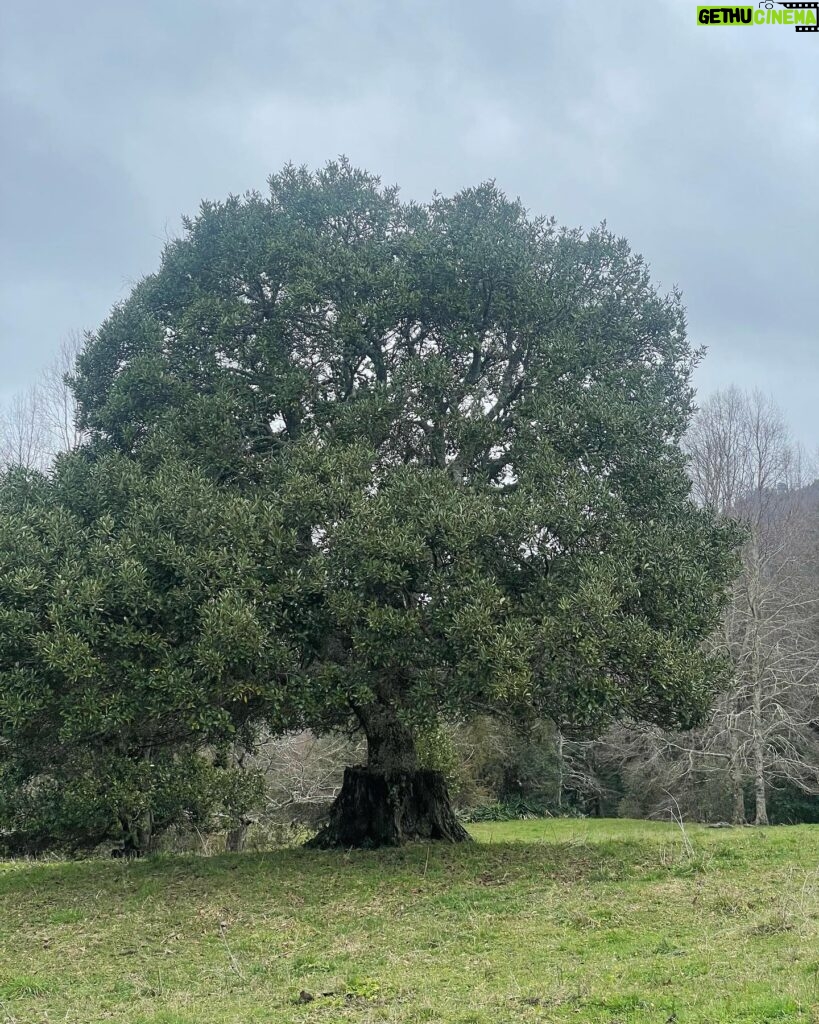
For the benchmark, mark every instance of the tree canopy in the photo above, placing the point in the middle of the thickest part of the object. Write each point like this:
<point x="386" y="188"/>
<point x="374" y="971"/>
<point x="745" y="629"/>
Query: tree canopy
<point x="356" y="459"/>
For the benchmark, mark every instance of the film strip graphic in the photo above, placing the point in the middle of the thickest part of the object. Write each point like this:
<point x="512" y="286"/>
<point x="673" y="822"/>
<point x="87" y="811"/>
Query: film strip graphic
<point x="803" y="7"/>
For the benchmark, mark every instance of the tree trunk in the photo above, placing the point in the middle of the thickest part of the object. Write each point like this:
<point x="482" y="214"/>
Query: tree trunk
<point x="757" y="730"/>
<point x="377" y="808"/>
<point x="761" y="816"/>
<point x="560" y="770"/>
<point x="735" y="772"/>
<point x="236" y="835"/>
<point x="391" y="800"/>
<point x="137" y="834"/>
<point x="236" y="838"/>
<point x="738" y="794"/>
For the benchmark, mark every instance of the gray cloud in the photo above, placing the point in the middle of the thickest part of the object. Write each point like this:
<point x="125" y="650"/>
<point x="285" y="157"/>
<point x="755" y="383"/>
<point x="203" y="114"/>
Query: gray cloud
<point x="700" y="145"/>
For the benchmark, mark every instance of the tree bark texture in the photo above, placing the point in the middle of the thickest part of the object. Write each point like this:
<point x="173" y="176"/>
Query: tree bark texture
<point x="376" y="808"/>
<point x="391" y="800"/>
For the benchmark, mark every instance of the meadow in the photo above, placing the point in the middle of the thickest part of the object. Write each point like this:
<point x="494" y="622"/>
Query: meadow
<point x="554" y="920"/>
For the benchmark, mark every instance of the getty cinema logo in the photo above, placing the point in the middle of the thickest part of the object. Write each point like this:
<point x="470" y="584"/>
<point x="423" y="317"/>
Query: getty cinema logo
<point x="805" y="17"/>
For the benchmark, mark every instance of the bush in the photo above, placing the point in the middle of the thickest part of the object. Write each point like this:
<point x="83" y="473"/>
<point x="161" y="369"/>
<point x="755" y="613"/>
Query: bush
<point x="516" y="809"/>
<point x="97" y="799"/>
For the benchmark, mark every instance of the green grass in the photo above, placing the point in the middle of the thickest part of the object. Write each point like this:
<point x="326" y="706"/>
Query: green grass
<point x="585" y="921"/>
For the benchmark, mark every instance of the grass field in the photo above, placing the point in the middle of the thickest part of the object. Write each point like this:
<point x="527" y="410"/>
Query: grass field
<point x="613" y="921"/>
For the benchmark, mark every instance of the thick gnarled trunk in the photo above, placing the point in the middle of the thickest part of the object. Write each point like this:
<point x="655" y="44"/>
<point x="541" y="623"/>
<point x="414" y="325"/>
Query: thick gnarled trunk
<point x="376" y="808"/>
<point x="391" y="800"/>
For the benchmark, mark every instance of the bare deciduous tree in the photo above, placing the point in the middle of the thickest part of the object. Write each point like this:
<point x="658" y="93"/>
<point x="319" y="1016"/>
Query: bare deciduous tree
<point x="751" y="466"/>
<point x="763" y="730"/>
<point x="303" y="770"/>
<point x="40" y="422"/>
<point x="22" y="430"/>
<point x="58" y="404"/>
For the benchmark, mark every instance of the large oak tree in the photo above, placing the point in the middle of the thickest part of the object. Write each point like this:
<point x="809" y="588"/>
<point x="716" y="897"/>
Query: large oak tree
<point x="467" y="422"/>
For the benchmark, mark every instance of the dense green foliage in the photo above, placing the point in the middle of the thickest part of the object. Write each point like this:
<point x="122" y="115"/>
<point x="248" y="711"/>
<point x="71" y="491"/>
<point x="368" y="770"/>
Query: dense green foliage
<point x="133" y="633"/>
<point x="356" y="459"/>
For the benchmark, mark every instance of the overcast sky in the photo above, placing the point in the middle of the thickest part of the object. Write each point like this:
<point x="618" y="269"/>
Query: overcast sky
<point x="700" y="145"/>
